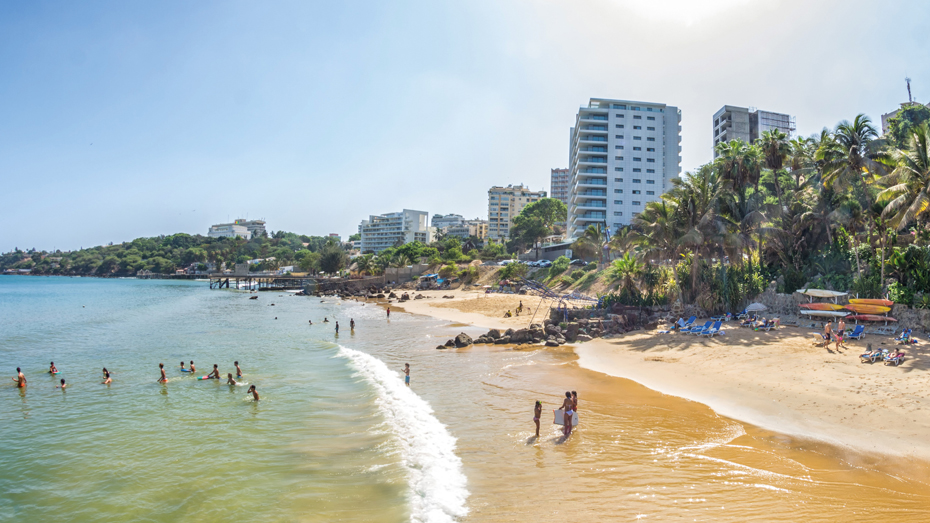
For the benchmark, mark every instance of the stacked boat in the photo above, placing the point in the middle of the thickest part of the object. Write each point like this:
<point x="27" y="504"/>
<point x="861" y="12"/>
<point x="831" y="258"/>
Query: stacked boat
<point x="870" y="309"/>
<point x="824" y="310"/>
<point x="859" y="309"/>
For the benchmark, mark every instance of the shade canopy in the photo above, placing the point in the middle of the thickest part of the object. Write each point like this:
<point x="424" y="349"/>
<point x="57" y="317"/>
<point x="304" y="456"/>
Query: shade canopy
<point x="755" y="307"/>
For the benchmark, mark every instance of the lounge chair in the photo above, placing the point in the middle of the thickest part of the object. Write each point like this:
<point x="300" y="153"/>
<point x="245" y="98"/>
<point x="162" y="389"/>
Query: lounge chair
<point x="894" y="358"/>
<point x="713" y="330"/>
<point x="873" y="355"/>
<point x="742" y="315"/>
<point x="769" y="325"/>
<point x="822" y="341"/>
<point x="701" y="328"/>
<point x="857" y="333"/>
<point x="690" y="322"/>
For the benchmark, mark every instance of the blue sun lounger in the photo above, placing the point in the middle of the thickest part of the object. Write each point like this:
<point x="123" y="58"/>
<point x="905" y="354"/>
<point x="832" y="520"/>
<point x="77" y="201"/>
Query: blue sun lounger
<point x="856" y="334"/>
<point x="713" y="331"/>
<point x="699" y="330"/>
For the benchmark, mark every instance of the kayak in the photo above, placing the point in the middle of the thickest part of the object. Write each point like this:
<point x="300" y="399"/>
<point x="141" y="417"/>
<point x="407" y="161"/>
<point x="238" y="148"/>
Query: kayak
<point x="867" y="309"/>
<point x="864" y="301"/>
<point x="832" y="314"/>
<point x="821" y="293"/>
<point x="821" y="306"/>
<point x="870" y="317"/>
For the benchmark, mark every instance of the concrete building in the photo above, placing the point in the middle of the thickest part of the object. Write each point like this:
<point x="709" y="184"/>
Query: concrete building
<point x="477" y="228"/>
<point x="254" y="228"/>
<point x="229" y="230"/>
<point x="559" y="184"/>
<point x="396" y="228"/>
<point x="504" y="203"/>
<point x="748" y="124"/>
<point x="441" y="221"/>
<point x="622" y="155"/>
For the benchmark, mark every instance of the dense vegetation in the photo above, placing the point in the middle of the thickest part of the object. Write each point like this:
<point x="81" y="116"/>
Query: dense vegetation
<point x="845" y="209"/>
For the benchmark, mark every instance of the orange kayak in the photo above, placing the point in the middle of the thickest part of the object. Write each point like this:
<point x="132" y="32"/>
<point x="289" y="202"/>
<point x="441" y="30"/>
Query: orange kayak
<point x="864" y="301"/>
<point x="867" y="309"/>
<point x="870" y="317"/>
<point x="822" y="306"/>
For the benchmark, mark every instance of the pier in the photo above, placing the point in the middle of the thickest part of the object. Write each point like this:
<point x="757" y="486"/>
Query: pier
<point x="270" y="282"/>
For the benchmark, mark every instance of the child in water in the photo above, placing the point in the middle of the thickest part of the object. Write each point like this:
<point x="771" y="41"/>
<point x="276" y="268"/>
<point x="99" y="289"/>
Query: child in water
<point x="62" y="387"/>
<point x="253" y="392"/>
<point x="52" y="369"/>
<point x="238" y="370"/>
<point x="229" y="379"/>
<point x="106" y="376"/>
<point x="537" y="413"/>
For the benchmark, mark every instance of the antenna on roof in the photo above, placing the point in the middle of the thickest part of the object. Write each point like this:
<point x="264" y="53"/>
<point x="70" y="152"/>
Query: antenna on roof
<point x="909" y="99"/>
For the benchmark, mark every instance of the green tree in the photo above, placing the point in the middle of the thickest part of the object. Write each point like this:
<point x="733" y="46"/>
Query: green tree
<point x="332" y="258"/>
<point x="906" y="198"/>
<point x="901" y="126"/>
<point x="310" y="263"/>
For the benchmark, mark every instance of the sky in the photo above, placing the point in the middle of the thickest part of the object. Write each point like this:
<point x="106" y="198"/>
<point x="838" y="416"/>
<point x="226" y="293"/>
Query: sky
<point x="121" y="120"/>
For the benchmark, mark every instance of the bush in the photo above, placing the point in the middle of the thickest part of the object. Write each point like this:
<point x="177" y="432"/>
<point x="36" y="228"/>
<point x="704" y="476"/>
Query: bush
<point x="448" y="271"/>
<point x="591" y="266"/>
<point x="470" y="274"/>
<point x="900" y="294"/>
<point x="559" y="265"/>
<point x="513" y="270"/>
<point x="577" y="274"/>
<point x="567" y="280"/>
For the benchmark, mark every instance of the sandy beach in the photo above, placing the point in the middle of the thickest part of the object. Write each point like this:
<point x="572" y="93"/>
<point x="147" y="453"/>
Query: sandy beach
<point x="776" y="380"/>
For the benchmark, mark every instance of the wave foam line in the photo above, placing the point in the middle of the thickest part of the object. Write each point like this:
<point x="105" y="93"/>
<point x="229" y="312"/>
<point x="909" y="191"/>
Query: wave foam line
<point x="437" y="483"/>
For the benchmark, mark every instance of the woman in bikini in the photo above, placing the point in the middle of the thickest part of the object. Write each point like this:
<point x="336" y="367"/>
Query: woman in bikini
<point x="568" y="409"/>
<point x="537" y="413"/>
<point x="106" y="377"/>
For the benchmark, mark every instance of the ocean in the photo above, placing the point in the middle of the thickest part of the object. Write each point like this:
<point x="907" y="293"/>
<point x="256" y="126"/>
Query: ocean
<point x="337" y="436"/>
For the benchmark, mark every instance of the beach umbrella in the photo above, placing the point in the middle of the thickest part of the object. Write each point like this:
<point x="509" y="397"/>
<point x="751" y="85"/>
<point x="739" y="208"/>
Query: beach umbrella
<point x="756" y="307"/>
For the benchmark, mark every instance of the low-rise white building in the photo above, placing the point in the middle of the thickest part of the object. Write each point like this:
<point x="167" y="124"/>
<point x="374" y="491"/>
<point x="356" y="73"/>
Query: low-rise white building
<point x="382" y="231"/>
<point x="228" y="230"/>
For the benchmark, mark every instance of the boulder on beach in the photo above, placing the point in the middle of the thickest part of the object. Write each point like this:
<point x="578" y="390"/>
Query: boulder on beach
<point x="552" y="343"/>
<point x="503" y="340"/>
<point x="494" y="334"/>
<point x="463" y="340"/>
<point x="583" y="338"/>
<point x="450" y="343"/>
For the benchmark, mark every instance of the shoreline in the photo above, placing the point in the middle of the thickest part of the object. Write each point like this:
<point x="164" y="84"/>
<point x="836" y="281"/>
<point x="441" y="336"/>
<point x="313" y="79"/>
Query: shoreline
<point x="773" y="380"/>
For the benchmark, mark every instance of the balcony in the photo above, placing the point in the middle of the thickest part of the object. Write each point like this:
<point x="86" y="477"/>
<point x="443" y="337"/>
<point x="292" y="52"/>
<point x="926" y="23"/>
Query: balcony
<point x="592" y="193"/>
<point x="598" y="216"/>
<point x="588" y="138"/>
<point x="590" y="204"/>
<point x="593" y="159"/>
<point x="593" y="149"/>
<point x="595" y="128"/>
<point x="592" y="170"/>
<point x="591" y="181"/>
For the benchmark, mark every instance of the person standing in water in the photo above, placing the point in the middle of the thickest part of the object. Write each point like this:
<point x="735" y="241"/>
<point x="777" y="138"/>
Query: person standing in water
<point x="337" y="327"/>
<point x="238" y="370"/>
<point x="407" y="374"/>
<point x="193" y="369"/>
<point x="253" y="392"/>
<point x="568" y="412"/>
<point x="215" y="373"/>
<point x="537" y="413"/>
<point x="20" y="379"/>
<point x="52" y="369"/>
<point x="62" y="386"/>
<point x="164" y="379"/>
<point x="574" y="401"/>
<point x="182" y="367"/>
<point x="389" y="313"/>
<point x="351" y="324"/>
<point x="106" y="377"/>
<point x="229" y="379"/>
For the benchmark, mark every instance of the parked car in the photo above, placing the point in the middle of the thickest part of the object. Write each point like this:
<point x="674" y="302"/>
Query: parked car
<point x="506" y="262"/>
<point x="577" y="262"/>
<point x="544" y="263"/>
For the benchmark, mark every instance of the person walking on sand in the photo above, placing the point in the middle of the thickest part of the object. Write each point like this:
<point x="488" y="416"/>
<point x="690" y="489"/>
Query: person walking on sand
<point x="840" y="332"/>
<point x="537" y="413"/>
<point x="106" y="377"/>
<point x="20" y="379"/>
<point x="215" y="373"/>
<point x="52" y="369"/>
<point x="827" y="333"/>
<point x="163" y="378"/>
<point x="238" y="370"/>
<point x="568" y="412"/>
<point x="407" y="374"/>
<point x="253" y="392"/>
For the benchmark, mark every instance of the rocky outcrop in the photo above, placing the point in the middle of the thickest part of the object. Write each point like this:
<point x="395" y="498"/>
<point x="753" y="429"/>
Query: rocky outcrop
<point x="463" y="340"/>
<point x="494" y="334"/>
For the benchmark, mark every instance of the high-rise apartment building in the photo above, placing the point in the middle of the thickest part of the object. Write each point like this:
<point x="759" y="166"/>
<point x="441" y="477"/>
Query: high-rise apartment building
<point x="559" y="184"/>
<point x="396" y="228"/>
<point x="748" y="124"/>
<point x="456" y="225"/>
<point x="504" y="203"/>
<point x="622" y="155"/>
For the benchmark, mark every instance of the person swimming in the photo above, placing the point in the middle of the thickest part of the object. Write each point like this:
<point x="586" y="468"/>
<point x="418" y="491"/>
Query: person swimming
<point x="238" y="370"/>
<point x="164" y="379"/>
<point x="537" y="413"/>
<point x="325" y="319"/>
<point x="106" y="377"/>
<point x="253" y="392"/>
<point x="182" y="367"/>
<point x="311" y="322"/>
<point x="20" y="378"/>
<point x="192" y="366"/>
<point x="215" y="373"/>
<point x="62" y="386"/>
<point x="229" y="379"/>
<point x="52" y="369"/>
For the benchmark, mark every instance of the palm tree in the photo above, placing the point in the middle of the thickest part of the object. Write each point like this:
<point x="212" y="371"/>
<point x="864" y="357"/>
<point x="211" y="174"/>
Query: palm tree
<point x="655" y="233"/>
<point x="801" y="158"/>
<point x="592" y="241"/>
<point x="741" y="164"/>
<point x="363" y="264"/>
<point x="854" y="218"/>
<point x="852" y="153"/>
<point x="907" y="196"/>
<point x="627" y="269"/>
<point x="775" y="150"/>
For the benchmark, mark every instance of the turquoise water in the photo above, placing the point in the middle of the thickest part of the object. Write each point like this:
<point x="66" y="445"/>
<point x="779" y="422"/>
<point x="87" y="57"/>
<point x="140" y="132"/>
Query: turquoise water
<point x="319" y="444"/>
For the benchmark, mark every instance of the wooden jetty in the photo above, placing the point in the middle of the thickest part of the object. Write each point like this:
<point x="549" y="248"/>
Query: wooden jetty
<point x="271" y="282"/>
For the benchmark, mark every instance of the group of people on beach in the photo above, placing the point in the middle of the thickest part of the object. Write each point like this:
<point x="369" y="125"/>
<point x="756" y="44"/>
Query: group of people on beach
<point x="837" y="335"/>
<point x="569" y="408"/>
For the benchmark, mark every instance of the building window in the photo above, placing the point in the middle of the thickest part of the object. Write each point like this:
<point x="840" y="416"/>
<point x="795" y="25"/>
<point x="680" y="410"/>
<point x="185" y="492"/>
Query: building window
<point x="618" y="213"/>
<point x="647" y="139"/>
<point x="620" y="180"/>
<point x="651" y="182"/>
<point x="650" y="128"/>
<point x="650" y="193"/>
<point x="640" y="138"/>
<point x="637" y="148"/>
<point x="637" y="170"/>
<point x="636" y="116"/>
<point x="637" y="191"/>
<point x="637" y="180"/>
<point x="650" y="160"/>
<point x="619" y="136"/>
<point x="618" y="202"/>
<point x="635" y="127"/>
<point x="650" y="170"/>
<point x="650" y="117"/>
<point x="618" y="158"/>
<point x="618" y="169"/>
<point x="618" y="191"/>
<point x="650" y="149"/>
<point x="618" y="147"/>
<point x="619" y="126"/>
<point x="617" y="106"/>
<point x="636" y="203"/>
<point x="635" y="159"/>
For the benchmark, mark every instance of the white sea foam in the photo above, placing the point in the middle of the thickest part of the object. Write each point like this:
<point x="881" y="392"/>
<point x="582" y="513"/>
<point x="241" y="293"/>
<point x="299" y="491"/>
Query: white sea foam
<point x="437" y="484"/>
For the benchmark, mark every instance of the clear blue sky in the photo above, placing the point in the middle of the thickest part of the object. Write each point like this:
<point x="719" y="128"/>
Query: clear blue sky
<point x="128" y="119"/>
